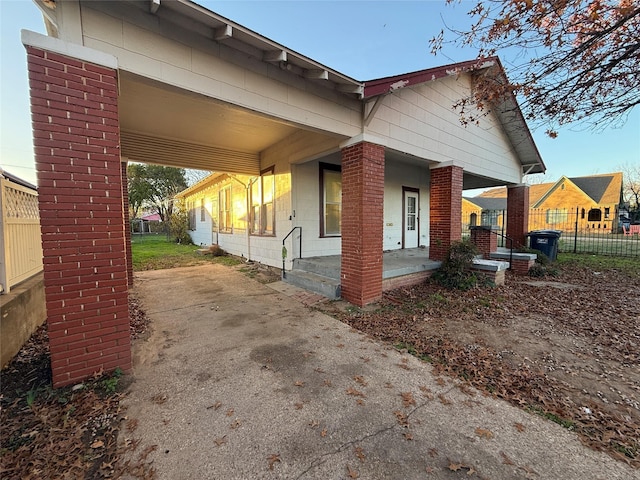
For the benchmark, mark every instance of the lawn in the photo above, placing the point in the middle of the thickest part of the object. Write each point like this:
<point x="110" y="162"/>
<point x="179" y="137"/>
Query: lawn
<point x="156" y="252"/>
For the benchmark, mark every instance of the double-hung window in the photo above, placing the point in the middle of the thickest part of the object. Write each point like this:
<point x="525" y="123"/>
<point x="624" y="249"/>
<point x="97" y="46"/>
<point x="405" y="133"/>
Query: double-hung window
<point x="262" y="204"/>
<point x="225" y="209"/>
<point x="330" y="200"/>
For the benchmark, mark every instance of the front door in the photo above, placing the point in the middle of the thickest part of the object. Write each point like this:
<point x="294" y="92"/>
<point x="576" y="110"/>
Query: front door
<point x="410" y="217"/>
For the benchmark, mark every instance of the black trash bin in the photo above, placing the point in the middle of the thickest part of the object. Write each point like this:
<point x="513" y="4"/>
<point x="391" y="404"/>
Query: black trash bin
<point x="545" y="241"/>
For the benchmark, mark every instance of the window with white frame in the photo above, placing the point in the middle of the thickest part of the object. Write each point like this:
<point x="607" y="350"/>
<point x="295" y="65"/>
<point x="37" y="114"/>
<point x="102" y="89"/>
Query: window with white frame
<point x="203" y="212"/>
<point x="262" y="204"/>
<point x="330" y="200"/>
<point x="225" y="217"/>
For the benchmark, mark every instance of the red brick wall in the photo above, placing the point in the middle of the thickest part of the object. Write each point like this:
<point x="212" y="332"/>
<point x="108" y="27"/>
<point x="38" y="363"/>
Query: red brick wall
<point x="485" y="240"/>
<point x="445" y="210"/>
<point x="522" y="267"/>
<point x="74" y="107"/>
<point x="518" y="214"/>
<point x="127" y="223"/>
<point x="362" y="222"/>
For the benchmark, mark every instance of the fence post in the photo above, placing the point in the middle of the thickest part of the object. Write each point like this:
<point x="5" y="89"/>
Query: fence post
<point x="575" y="232"/>
<point x="4" y="259"/>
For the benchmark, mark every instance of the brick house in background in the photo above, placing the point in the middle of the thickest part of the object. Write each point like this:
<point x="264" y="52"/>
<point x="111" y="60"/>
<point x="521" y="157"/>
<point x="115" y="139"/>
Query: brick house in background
<point x="595" y="198"/>
<point x="359" y="166"/>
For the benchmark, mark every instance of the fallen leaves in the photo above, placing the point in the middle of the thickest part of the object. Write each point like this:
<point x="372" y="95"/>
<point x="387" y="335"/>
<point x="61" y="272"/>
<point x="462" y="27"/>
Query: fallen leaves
<point x="360" y="454"/>
<point x="356" y="393"/>
<point x="273" y="459"/>
<point x="507" y="345"/>
<point x="351" y="473"/>
<point x="407" y="399"/>
<point x="484" y="433"/>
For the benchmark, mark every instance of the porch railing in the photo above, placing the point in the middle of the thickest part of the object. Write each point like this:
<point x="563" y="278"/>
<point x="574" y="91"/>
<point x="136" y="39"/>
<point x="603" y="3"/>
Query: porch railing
<point x="19" y="234"/>
<point x="284" y="248"/>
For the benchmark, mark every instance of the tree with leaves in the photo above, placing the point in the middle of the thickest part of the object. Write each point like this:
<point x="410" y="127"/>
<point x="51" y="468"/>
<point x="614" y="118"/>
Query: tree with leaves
<point x="155" y="186"/>
<point x="579" y="60"/>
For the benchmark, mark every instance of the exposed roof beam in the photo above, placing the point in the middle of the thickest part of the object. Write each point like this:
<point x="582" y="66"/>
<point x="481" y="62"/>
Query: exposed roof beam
<point x="275" y="56"/>
<point x="223" y="33"/>
<point x="357" y="89"/>
<point x="317" y="74"/>
<point x="154" y="5"/>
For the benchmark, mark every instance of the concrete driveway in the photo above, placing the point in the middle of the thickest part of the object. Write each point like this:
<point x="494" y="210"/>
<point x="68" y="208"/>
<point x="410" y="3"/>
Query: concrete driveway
<point x="240" y="380"/>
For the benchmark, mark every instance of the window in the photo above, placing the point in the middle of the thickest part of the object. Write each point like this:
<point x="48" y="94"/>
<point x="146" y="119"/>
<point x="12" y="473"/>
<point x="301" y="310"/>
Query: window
<point x="202" y="211"/>
<point x="607" y="212"/>
<point x="556" y="215"/>
<point x="473" y="219"/>
<point x="225" y="209"/>
<point x="262" y="211"/>
<point x="330" y="200"/>
<point x="595" y="215"/>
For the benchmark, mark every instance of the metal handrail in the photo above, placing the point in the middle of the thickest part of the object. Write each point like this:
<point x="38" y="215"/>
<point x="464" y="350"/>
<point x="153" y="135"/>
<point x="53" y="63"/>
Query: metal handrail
<point x="284" y="273"/>
<point x="510" y="240"/>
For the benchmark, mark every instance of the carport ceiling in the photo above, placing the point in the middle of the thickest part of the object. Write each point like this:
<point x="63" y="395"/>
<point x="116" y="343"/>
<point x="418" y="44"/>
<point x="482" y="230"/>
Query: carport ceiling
<point x="166" y="125"/>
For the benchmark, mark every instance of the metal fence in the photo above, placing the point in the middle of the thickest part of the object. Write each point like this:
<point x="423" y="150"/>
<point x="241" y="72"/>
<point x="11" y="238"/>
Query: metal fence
<point x="584" y="229"/>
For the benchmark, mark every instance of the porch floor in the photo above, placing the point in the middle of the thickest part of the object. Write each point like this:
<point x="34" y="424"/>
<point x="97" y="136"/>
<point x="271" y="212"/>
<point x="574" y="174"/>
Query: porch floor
<point x="395" y="263"/>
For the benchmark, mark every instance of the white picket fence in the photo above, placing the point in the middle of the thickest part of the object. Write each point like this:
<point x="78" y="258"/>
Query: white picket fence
<point x="19" y="234"/>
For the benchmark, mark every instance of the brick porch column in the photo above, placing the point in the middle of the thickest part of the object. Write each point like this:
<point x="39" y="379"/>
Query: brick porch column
<point x="362" y="222"/>
<point x="518" y="214"/>
<point x="445" y="210"/>
<point x="484" y="238"/>
<point x="74" y="106"/>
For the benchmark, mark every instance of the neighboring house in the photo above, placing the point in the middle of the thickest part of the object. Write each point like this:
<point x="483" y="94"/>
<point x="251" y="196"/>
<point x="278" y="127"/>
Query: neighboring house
<point x="483" y="211"/>
<point x="595" y="200"/>
<point x="355" y="167"/>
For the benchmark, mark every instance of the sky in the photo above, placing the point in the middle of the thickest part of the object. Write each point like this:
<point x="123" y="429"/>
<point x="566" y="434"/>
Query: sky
<point x="363" y="39"/>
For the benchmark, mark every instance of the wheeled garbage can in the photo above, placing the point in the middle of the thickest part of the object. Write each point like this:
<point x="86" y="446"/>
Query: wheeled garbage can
<point x="545" y="241"/>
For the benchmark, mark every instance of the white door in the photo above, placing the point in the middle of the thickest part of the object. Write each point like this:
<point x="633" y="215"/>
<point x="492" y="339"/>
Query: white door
<point x="410" y="220"/>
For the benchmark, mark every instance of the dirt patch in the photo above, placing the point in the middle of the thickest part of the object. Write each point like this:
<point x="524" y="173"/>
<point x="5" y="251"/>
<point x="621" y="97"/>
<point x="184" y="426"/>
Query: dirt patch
<point x="566" y="348"/>
<point x="260" y="272"/>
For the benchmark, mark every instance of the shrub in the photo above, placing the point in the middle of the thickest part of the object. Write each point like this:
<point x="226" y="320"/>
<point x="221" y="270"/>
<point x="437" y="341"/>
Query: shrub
<point x="179" y="225"/>
<point x="455" y="271"/>
<point x="216" y="251"/>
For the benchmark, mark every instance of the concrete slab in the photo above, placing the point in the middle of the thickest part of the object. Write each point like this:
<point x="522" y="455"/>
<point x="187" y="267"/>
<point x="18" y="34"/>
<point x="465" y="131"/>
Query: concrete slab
<point x="241" y="381"/>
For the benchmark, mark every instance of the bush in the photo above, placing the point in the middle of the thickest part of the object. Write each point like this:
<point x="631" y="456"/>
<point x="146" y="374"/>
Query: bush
<point x="179" y="225"/>
<point x="216" y="251"/>
<point x="455" y="271"/>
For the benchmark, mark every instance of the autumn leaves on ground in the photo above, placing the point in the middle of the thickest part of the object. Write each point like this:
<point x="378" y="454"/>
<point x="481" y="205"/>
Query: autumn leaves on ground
<point x="566" y="348"/>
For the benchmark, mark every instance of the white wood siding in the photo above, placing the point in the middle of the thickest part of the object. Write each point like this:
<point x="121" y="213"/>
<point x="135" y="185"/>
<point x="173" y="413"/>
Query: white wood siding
<point x="420" y="121"/>
<point x="152" y="47"/>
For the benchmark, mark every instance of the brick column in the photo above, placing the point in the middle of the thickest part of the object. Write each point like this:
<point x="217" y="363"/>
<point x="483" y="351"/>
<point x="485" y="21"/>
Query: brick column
<point x="518" y="214"/>
<point x="74" y="107"/>
<point x="362" y="222"/>
<point x="486" y="241"/>
<point x="445" y="210"/>
<point x="127" y="223"/>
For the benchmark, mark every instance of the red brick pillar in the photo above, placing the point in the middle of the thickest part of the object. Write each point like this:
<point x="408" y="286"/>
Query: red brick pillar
<point x="518" y="214"/>
<point x="484" y="238"/>
<point x="445" y="210"/>
<point x="362" y="222"/>
<point x="74" y="107"/>
<point x="127" y="223"/>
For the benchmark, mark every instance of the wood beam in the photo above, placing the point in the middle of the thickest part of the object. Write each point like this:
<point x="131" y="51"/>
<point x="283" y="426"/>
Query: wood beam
<point x="275" y="56"/>
<point x="316" y="74"/>
<point x="223" y="33"/>
<point x="154" y="5"/>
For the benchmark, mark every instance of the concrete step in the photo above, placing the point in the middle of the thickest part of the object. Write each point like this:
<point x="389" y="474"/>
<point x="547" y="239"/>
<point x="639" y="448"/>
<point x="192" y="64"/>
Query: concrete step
<point x="325" y="267"/>
<point x="329" y="287"/>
